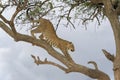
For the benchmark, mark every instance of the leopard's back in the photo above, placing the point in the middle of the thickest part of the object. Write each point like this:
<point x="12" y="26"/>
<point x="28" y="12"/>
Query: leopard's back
<point x="49" y="32"/>
<point x="62" y="44"/>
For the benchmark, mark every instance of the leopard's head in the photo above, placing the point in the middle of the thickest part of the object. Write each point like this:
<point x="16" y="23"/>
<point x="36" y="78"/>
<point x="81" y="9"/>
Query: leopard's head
<point x="70" y="46"/>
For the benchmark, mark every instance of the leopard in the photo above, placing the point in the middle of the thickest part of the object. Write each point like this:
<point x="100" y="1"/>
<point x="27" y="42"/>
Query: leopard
<point x="48" y="34"/>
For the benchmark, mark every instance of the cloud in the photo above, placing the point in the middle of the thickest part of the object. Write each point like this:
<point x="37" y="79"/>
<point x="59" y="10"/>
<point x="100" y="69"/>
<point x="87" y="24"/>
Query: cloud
<point x="17" y="64"/>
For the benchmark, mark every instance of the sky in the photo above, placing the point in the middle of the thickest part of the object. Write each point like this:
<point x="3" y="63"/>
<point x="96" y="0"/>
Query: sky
<point x="17" y="64"/>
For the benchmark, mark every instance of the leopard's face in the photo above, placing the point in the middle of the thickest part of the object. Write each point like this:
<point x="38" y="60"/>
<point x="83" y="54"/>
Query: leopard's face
<point x="70" y="46"/>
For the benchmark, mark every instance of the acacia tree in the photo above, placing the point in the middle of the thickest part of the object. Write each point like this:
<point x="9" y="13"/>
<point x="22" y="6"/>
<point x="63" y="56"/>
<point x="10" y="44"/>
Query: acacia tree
<point x="25" y="11"/>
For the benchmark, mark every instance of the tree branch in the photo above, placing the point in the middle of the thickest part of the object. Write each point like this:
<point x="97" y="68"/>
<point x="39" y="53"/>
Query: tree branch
<point x="108" y="55"/>
<point x="71" y="66"/>
<point x="38" y="62"/>
<point x="18" y="9"/>
<point x="3" y="8"/>
<point x="94" y="63"/>
<point x="96" y="1"/>
<point x="37" y="42"/>
<point x="4" y="19"/>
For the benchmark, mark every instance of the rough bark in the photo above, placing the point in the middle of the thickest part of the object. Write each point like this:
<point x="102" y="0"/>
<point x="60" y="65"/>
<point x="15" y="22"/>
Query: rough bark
<point x="115" y="24"/>
<point x="112" y="14"/>
<point x="116" y="29"/>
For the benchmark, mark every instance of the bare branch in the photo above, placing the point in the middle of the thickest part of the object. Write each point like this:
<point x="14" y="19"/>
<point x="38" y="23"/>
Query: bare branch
<point x="38" y="62"/>
<point x="74" y="68"/>
<point x="70" y="22"/>
<point x="94" y="63"/>
<point x="18" y="9"/>
<point x="3" y="8"/>
<point x="93" y="73"/>
<point x="58" y="23"/>
<point x="8" y="22"/>
<point x="4" y="19"/>
<point x="108" y="55"/>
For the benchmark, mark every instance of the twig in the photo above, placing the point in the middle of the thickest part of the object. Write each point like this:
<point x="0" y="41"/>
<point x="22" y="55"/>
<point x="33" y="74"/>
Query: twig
<point x="70" y="22"/>
<point x="94" y="15"/>
<point x="68" y="15"/>
<point x="58" y="23"/>
<point x="94" y="63"/>
<point x="91" y="17"/>
<point x="108" y="55"/>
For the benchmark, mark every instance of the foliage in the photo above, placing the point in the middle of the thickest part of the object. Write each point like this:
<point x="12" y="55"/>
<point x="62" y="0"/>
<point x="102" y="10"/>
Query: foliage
<point x="59" y="10"/>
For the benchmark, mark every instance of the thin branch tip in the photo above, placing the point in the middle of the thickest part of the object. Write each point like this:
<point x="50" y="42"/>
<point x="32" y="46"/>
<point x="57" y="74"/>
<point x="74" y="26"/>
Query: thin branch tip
<point x="108" y="55"/>
<point x="94" y="63"/>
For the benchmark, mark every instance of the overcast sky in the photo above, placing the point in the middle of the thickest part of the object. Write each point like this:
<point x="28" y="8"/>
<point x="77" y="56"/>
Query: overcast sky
<point x="17" y="64"/>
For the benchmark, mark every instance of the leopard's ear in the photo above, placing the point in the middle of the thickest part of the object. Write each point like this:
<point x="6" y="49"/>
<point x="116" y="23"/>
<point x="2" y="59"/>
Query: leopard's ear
<point x="70" y="42"/>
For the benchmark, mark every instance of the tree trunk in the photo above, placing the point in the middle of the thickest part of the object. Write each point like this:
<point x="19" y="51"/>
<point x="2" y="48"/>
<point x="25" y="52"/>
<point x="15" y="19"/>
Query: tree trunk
<point x="116" y="29"/>
<point x="114" y="20"/>
<point x="115" y="24"/>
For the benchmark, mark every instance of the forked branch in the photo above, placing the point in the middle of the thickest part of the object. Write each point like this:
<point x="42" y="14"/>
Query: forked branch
<point x="38" y="62"/>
